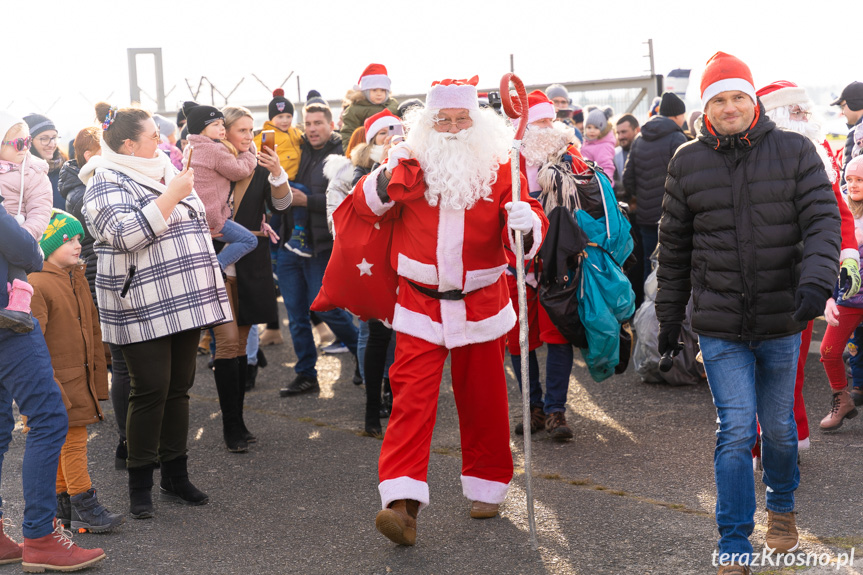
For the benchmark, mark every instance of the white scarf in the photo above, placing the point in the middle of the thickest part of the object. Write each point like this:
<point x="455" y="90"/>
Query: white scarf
<point x="146" y="171"/>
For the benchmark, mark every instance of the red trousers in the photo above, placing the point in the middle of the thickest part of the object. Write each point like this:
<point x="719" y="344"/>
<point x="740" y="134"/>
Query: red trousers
<point x="834" y="342"/>
<point x="479" y="387"/>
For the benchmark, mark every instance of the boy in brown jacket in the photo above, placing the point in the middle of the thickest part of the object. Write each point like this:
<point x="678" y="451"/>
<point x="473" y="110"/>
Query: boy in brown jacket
<point x="63" y="305"/>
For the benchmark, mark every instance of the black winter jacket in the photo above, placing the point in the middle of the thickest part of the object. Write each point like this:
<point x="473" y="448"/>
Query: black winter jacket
<point x="849" y="146"/>
<point x="647" y="166"/>
<point x="72" y="189"/>
<point x="311" y="174"/>
<point x="745" y="220"/>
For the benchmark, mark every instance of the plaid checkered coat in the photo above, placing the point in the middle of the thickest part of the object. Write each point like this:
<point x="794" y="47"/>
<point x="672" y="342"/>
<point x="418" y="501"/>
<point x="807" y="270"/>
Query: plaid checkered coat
<point x="177" y="283"/>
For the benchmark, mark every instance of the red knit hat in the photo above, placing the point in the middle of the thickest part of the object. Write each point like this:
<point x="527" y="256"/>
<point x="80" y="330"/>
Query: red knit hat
<point x="539" y="107"/>
<point x="781" y="93"/>
<point x="381" y="120"/>
<point x="725" y="73"/>
<point x="453" y="94"/>
<point x="374" y="76"/>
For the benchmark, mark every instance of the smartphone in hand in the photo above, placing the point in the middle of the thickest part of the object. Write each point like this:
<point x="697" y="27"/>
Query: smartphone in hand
<point x="268" y="139"/>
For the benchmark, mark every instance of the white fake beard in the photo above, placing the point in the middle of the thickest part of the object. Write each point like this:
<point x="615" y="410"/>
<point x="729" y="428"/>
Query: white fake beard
<point x="460" y="168"/>
<point x="539" y="144"/>
<point x="376" y="153"/>
<point x="812" y="130"/>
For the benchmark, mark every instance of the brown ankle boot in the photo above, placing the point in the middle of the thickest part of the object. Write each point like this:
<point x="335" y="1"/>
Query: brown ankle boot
<point x="841" y="409"/>
<point x="10" y="552"/>
<point x="398" y="522"/>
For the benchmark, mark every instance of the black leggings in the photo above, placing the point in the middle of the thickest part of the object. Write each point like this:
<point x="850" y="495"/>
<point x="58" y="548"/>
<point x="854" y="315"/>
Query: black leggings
<point x="162" y="372"/>
<point x="375" y="361"/>
<point x="120" y="388"/>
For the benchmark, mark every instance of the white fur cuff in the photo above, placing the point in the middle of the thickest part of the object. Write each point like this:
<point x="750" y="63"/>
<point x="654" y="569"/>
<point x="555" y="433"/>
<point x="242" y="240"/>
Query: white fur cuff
<point x="370" y="190"/>
<point x="276" y="182"/>
<point x="403" y="488"/>
<point x="477" y="489"/>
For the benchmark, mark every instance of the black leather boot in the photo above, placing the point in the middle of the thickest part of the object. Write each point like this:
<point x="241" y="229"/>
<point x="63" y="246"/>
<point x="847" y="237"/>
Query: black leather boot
<point x="243" y="363"/>
<point x="227" y="375"/>
<point x="175" y="485"/>
<point x="140" y="491"/>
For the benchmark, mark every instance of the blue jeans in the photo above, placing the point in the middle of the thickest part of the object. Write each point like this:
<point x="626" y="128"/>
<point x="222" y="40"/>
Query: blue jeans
<point x="252" y="345"/>
<point x="299" y="282"/>
<point x="558" y="368"/>
<point x="749" y="378"/>
<point x="856" y="361"/>
<point x="362" y="341"/>
<point x="649" y="239"/>
<point x="27" y="377"/>
<point x="238" y="242"/>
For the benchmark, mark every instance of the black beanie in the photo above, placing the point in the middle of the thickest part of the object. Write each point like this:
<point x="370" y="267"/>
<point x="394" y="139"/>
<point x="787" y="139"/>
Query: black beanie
<point x="199" y="117"/>
<point x="279" y="104"/>
<point x="671" y="105"/>
<point x="38" y="124"/>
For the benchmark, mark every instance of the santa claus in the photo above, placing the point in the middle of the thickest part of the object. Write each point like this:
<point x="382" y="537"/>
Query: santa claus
<point x="448" y="190"/>
<point x="790" y="108"/>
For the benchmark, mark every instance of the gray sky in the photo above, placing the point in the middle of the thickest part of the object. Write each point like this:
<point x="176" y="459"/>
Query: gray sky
<point x="76" y="50"/>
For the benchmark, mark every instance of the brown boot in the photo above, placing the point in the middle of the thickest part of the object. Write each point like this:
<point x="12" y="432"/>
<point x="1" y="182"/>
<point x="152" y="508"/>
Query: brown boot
<point x="841" y="409"/>
<point x="537" y="421"/>
<point x="555" y="424"/>
<point x="398" y="522"/>
<point x="10" y="552"/>
<point x="57" y="552"/>
<point x="481" y="510"/>
<point x="734" y="569"/>
<point x="782" y="536"/>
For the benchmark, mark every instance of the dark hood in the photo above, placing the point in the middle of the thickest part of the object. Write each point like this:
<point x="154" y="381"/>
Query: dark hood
<point x="658" y="127"/>
<point x="69" y="179"/>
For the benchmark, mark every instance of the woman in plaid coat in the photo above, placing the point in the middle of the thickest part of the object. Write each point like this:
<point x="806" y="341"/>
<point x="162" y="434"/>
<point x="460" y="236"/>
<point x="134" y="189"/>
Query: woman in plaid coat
<point x="158" y="283"/>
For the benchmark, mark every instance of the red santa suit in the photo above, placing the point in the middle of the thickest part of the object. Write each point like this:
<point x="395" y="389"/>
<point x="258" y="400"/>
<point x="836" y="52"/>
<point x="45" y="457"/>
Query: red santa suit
<point x="457" y="254"/>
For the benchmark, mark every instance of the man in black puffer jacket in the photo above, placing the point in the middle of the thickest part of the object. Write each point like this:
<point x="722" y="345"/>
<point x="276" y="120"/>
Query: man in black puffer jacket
<point x="851" y="104"/>
<point x="750" y="226"/>
<point x="647" y="165"/>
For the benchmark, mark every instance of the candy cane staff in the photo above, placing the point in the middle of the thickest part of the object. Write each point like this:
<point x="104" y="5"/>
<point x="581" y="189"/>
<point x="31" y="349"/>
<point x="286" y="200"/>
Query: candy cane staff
<point x="516" y="108"/>
<point x="448" y="192"/>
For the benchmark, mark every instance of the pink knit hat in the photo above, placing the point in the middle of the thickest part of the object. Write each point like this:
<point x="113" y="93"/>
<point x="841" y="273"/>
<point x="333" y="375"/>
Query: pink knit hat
<point x="855" y="167"/>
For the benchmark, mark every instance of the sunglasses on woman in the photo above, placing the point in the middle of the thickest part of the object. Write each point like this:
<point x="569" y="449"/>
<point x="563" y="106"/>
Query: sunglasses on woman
<point x="20" y="144"/>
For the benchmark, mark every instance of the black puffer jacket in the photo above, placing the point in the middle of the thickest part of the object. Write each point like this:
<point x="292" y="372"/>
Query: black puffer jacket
<point x="849" y="146"/>
<point x="311" y="174"/>
<point x="647" y="166"/>
<point x="72" y="189"/>
<point x="745" y="220"/>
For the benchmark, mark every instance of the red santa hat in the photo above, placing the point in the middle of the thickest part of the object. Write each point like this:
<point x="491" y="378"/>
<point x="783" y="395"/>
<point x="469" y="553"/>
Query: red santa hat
<point x="453" y="94"/>
<point x="539" y="107"/>
<point x="725" y="73"/>
<point x="781" y="93"/>
<point x="381" y="120"/>
<point x="374" y="76"/>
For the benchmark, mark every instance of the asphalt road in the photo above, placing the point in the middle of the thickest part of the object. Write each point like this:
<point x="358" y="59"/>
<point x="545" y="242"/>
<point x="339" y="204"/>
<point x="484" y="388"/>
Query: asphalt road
<point x="632" y="493"/>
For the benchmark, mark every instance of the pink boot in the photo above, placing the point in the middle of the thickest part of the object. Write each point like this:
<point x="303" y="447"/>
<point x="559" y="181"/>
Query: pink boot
<point x="17" y="316"/>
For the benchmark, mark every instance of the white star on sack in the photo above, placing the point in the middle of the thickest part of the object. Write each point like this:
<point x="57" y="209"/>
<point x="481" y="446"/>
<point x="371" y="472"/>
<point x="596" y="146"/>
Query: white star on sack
<point x="365" y="268"/>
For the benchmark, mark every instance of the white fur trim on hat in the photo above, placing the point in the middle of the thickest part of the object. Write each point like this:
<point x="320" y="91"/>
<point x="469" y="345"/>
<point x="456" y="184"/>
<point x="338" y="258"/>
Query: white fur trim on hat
<point x="382" y="123"/>
<point x="728" y="85"/>
<point x="784" y="97"/>
<point x="373" y="81"/>
<point x="442" y="96"/>
<point x="541" y="111"/>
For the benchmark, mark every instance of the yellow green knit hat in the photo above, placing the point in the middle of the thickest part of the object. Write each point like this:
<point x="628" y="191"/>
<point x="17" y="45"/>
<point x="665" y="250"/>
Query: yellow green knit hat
<point x="62" y="227"/>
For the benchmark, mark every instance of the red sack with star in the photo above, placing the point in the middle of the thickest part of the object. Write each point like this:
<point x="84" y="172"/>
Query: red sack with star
<point x="359" y="277"/>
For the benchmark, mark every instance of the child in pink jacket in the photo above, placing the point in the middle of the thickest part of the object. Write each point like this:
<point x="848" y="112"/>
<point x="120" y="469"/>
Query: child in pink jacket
<point x="27" y="196"/>
<point x="599" y="140"/>
<point x="216" y="165"/>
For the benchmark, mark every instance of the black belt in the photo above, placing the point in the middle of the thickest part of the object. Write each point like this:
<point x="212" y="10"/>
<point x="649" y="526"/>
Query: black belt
<point x="451" y="295"/>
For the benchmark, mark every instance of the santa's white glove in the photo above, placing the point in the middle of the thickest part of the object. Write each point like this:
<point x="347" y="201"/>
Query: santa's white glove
<point x="520" y="216"/>
<point x="399" y="152"/>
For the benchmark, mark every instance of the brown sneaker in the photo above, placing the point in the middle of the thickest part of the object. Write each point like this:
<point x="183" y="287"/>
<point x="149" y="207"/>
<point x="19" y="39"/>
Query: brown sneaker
<point x="555" y="424"/>
<point x="841" y="409"/>
<point x="398" y="522"/>
<point x="537" y="421"/>
<point x="481" y="510"/>
<point x="782" y="534"/>
<point x="734" y="569"/>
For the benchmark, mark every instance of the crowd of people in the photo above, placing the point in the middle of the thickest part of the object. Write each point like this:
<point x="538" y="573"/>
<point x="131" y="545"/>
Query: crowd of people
<point x="392" y="228"/>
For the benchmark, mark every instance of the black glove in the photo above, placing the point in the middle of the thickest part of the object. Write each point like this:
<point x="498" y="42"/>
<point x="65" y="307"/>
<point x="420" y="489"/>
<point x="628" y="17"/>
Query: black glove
<point x="810" y="301"/>
<point x="669" y="338"/>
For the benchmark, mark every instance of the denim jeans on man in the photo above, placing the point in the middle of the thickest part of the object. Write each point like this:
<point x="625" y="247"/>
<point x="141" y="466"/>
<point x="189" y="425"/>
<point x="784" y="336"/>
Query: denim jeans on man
<point x="749" y="378"/>
<point x="238" y="242"/>
<point x="558" y="367"/>
<point x="300" y="281"/>
<point x="27" y="377"/>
